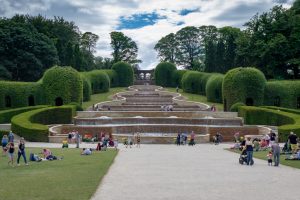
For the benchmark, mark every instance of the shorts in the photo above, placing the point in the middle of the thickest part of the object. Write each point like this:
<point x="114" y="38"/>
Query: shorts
<point x="4" y="145"/>
<point x="294" y="147"/>
<point x="11" y="155"/>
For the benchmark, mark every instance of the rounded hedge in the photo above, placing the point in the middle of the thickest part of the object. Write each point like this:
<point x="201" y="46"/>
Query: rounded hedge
<point x="62" y="83"/>
<point x="214" y="88"/>
<point x="235" y="107"/>
<point x="195" y="82"/>
<point x="32" y="125"/>
<point x="87" y="88"/>
<point x="113" y="77"/>
<point x="246" y="85"/>
<point x="17" y="94"/>
<point x="99" y="81"/>
<point x="177" y="77"/>
<point x="282" y="94"/>
<point x="125" y="73"/>
<point x="163" y="74"/>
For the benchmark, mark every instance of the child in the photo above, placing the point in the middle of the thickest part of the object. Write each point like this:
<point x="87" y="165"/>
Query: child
<point x="270" y="158"/>
<point x="11" y="151"/>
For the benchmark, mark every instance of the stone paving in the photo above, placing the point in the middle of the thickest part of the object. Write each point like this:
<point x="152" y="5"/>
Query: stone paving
<point x="203" y="172"/>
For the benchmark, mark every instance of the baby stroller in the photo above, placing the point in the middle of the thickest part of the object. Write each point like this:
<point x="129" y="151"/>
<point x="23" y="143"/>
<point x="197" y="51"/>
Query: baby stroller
<point x="243" y="158"/>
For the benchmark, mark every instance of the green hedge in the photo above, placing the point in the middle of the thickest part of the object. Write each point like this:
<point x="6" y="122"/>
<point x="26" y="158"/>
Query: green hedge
<point x="125" y="73"/>
<point x="163" y="74"/>
<point x="282" y="94"/>
<point x="235" y="107"/>
<point x="244" y="85"/>
<point x="113" y="77"/>
<point x="214" y="88"/>
<point x="32" y="125"/>
<point x="177" y="77"/>
<point x="195" y="82"/>
<point x="64" y="83"/>
<point x="286" y="121"/>
<point x="19" y="94"/>
<point x="6" y="115"/>
<point x="99" y="81"/>
<point x="87" y="88"/>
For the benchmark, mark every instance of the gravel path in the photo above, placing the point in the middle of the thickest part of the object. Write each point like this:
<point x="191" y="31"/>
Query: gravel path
<point x="202" y="172"/>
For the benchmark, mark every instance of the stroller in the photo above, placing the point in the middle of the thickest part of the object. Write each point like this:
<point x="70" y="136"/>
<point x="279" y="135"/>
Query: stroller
<point x="243" y="158"/>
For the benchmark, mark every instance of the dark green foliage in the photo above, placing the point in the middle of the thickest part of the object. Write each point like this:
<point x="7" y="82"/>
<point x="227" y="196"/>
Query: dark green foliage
<point x="177" y="77"/>
<point x="32" y="125"/>
<point x="282" y="93"/>
<point x="87" y="88"/>
<point x="163" y="74"/>
<point x="244" y="85"/>
<point x="125" y="73"/>
<point x="214" y="88"/>
<point x="113" y="76"/>
<point x="78" y="107"/>
<point x="64" y="83"/>
<point x="284" y="118"/>
<point x="99" y="81"/>
<point x="195" y="82"/>
<point x="6" y="115"/>
<point x="18" y="93"/>
<point x="235" y="107"/>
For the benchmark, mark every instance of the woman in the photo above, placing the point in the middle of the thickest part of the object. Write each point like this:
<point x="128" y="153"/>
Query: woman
<point x="4" y="142"/>
<point x="249" y="150"/>
<point x="138" y="140"/>
<point x="21" y="152"/>
<point x="11" y="151"/>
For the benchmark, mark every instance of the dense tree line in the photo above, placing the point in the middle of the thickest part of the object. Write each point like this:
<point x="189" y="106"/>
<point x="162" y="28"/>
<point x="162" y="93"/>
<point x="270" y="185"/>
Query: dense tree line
<point x="269" y="42"/>
<point x="31" y="44"/>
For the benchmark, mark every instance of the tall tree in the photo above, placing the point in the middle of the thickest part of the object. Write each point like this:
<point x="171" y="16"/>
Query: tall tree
<point x="89" y="41"/>
<point x="189" y="46"/>
<point x="124" y="48"/>
<point x="167" y="47"/>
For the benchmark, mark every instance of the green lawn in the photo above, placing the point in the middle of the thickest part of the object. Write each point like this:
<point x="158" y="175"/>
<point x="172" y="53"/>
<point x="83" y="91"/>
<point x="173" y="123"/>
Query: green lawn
<point x="107" y="96"/>
<point x="74" y="177"/>
<point x="197" y="98"/>
<point x="263" y="155"/>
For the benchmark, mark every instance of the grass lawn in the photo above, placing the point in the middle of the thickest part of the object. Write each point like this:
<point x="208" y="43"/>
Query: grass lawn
<point x="107" y="96"/>
<point x="263" y="155"/>
<point x="74" y="177"/>
<point x="197" y="98"/>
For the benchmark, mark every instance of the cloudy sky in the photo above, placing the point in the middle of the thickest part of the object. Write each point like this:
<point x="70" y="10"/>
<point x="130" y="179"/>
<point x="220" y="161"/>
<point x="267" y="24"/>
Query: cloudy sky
<point x="145" y="21"/>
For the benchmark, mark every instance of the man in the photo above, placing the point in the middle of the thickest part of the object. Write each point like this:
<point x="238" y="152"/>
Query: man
<point x="11" y="137"/>
<point x="276" y="153"/>
<point x="293" y="141"/>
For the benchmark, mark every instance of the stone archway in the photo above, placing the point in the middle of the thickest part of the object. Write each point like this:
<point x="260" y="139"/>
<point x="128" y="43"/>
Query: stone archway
<point x="144" y="77"/>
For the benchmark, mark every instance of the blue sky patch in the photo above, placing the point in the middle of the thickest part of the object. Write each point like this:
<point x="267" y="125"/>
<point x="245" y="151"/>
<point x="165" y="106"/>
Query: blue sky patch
<point x="139" y="20"/>
<point x="184" y="12"/>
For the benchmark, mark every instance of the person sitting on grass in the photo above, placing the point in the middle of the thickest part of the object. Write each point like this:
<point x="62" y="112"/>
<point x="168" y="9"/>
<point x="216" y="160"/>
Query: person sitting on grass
<point x="86" y="151"/>
<point x="49" y="156"/>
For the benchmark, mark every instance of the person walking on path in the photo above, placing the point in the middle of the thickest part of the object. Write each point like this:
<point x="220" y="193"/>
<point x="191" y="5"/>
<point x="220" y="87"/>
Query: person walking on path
<point x="276" y="153"/>
<point x="178" y="139"/>
<point x="21" y="152"/>
<point x="249" y="150"/>
<point x="11" y="152"/>
<point x="11" y="137"/>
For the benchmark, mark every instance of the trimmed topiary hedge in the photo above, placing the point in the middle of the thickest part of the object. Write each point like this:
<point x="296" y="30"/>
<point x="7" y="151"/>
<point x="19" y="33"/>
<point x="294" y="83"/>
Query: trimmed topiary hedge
<point x="177" y="77"/>
<point x="235" y="107"/>
<point x="125" y="73"/>
<point x="6" y="115"/>
<point x="282" y="94"/>
<point x="113" y="77"/>
<point x="214" y="88"/>
<point x="99" y="81"/>
<point x="19" y="94"/>
<point x="246" y="85"/>
<point x="286" y="121"/>
<point x="32" y="125"/>
<point x="163" y="74"/>
<point x="87" y="88"/>
<point x="195" y="82"/>
<point x="62" y="85"/>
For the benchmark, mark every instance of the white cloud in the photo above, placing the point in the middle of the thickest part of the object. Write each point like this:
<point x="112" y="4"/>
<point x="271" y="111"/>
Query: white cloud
<point x="102" y="17"/>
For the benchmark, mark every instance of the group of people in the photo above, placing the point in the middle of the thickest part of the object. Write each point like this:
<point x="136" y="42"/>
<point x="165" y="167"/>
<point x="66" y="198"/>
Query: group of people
<point x="105" y="141"/>
<point x="182" y="139"/>
<point x="166" y="108"/>
<point x="134" y="139"/>
<point x="74" y="136"/>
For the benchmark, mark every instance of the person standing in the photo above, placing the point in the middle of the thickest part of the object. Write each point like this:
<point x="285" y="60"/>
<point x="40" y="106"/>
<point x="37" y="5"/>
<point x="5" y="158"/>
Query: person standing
<point x="177" y="89"/>
<point x="138" y="140"/>
<point x="192" y="138"/>
<point x="249" y="150"/>
<point x="77" y="136"/>
<point x="272" y="137"/>
<point x="11" y="152"/>
<point x="11" y="137"/>
<point x="21" y="152"/>
<point x="178" y="139"/>
<point x="276" y="153"/>
<point x="293" y="141"/>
